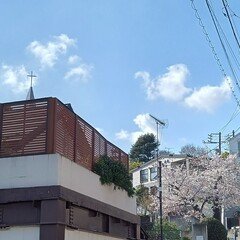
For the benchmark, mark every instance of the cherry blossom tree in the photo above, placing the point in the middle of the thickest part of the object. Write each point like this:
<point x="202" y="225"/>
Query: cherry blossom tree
<point x="202" y="188"/>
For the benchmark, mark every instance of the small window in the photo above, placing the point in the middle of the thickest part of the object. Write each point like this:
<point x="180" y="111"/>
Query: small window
<point x="144" y="175"/>
<point x="153" y="173"/>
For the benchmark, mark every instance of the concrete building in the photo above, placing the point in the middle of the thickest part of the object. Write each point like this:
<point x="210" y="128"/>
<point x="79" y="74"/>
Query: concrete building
<point x="47" y="188"/>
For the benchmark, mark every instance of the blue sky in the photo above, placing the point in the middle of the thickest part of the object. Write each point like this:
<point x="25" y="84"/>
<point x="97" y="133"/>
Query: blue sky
<point x="116" y="61"/>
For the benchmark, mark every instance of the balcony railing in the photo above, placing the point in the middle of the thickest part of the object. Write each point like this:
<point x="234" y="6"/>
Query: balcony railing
<point x="45" y="126"/>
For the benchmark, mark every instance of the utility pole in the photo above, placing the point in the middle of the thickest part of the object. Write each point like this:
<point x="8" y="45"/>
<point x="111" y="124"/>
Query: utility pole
<point x="215" y="138"/>
<point x="220" y="142"/>
<point x="159" y="123"/>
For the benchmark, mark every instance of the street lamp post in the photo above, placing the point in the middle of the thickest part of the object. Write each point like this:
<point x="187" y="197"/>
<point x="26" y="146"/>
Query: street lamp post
<point x="159" y="123"/>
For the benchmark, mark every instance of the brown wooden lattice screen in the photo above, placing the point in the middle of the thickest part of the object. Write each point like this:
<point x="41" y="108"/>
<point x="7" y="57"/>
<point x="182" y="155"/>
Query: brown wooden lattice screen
<point x="45" y="126"/>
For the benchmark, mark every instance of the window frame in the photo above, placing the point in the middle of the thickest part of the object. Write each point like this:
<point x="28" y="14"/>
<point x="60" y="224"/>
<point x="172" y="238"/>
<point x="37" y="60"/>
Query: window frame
<point x="155" y="178"/>
<point x="144" y="179"/>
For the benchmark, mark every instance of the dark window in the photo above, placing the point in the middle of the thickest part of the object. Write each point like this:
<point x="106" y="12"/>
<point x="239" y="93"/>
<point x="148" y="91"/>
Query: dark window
<point x="92" y="213"/>
<point x="105" y="223"/>
<point x="144" y="175"/>
<point x="153" y="173"/>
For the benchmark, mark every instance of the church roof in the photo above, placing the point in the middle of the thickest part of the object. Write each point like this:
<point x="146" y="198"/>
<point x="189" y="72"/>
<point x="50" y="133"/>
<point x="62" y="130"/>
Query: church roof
<point x="30" y="95"/>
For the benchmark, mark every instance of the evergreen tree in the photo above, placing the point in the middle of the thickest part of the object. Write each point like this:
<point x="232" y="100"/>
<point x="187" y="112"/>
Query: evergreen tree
<point x="144" y="149"/>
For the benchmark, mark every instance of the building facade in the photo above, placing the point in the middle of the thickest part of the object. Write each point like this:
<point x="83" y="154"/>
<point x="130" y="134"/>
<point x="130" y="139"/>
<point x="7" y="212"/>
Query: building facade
<point x="47" y="188"/>
<point x="234" y="145"/>
<point x="147" y="173"/>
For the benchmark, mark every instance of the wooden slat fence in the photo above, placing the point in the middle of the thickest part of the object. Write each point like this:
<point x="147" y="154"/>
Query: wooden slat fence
<point x="45" y="126"/>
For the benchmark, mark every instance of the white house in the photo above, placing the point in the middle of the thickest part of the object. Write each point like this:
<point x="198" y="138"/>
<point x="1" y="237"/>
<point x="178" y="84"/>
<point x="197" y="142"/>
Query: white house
<point x="147" y="174"/>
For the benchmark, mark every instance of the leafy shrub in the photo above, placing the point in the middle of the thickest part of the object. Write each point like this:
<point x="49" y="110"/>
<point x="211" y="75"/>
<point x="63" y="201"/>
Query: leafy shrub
<point x="186" y="238"/>
<point x="170" y="231"/>
<point x="115" y="172"/>
<point x="216" y="231"/>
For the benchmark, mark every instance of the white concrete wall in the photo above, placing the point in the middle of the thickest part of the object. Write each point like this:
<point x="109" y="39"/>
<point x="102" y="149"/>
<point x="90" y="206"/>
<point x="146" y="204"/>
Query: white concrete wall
<point x="77" y="235"/>
<point x="82" y="180"/>
<point x="20" y="233"/>
<point x="233" y="144"/>
<point x="53" y="169"/>
<point x="29" y="171"/>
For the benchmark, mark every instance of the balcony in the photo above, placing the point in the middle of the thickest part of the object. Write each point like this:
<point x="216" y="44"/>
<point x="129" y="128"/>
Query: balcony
<point x="46" y="126"/>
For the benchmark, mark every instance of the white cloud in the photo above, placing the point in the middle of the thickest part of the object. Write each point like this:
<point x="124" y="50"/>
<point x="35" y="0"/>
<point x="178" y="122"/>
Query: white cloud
<point x="170" y="86"/>
<point x="81" y="73"/>
<point x="145" y="125"/>
<point x="15" y="77"/>
<point x="49" y="53"/>
<point x="123" y="134"/>
<point x="208" y="98"/>
<point x="73" y="59"/>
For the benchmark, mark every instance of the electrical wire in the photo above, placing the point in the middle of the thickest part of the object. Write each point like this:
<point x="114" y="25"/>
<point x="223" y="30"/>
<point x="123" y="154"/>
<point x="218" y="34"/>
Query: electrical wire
<point x="227" y="42"/>
<point x="218" y="26"/>
<point x="237" y="129"/>
<point x="236" y="35"/>
<point x="232" y="15"/>
<point x="197" y="15"/>
<point x="230" y="21"/>
<point x="215" y="22"/>
<point x="233" y="116"/>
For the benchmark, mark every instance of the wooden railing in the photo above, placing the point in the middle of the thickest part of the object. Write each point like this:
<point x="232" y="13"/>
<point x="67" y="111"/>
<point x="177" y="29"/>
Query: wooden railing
<point x="45" y="126"/>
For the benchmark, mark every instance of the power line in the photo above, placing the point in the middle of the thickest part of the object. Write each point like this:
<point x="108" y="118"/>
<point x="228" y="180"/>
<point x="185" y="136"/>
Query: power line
<point x="197" y="15"/>
<point x="233" y="116"/>
<point x="237" y="129"/>
<point x="218" y="29"/>
<point x="232" y="15"/>
<point x="229" y="47"/>
<point x="226" y="40"/>
<point x="216" y="25"/>
<point x="230" y="21"/>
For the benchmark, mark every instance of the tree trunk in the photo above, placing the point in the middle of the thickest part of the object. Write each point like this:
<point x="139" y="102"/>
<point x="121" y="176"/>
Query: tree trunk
<point x="217" y="213"/>
<point x="216" y="209"/>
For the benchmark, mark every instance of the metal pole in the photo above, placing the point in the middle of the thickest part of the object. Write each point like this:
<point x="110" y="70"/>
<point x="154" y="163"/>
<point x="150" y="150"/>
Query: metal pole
<point x="162" y="123"/>
<point x="160" y="187"/>
<point x="220" y="143"/>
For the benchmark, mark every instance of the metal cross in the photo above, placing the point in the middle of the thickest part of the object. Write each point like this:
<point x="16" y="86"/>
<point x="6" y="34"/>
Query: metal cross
<point x="31" y="76"/>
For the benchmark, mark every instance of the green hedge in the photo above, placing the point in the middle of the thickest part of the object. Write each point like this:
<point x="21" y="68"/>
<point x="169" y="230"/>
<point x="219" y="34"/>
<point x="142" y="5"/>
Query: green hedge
<point x="170" y="231"/>
<point x="216" y="231"/>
